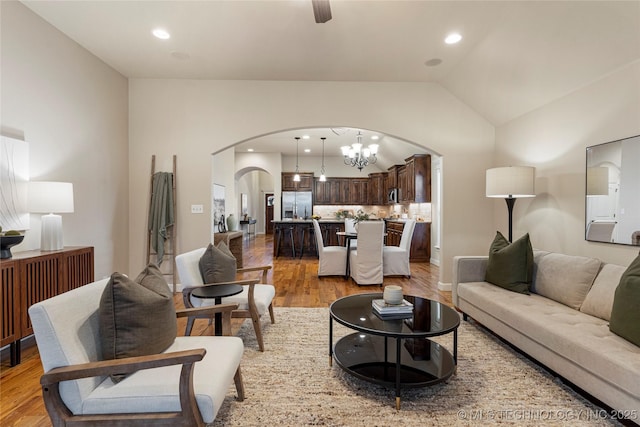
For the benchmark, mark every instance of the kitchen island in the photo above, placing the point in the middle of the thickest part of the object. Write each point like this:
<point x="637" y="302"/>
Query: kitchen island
<point x="299" y="234"/>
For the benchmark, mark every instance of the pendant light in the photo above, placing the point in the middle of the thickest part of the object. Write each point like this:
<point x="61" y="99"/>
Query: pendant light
<point x="296" y="177"/>
<point x="323" y="177"/>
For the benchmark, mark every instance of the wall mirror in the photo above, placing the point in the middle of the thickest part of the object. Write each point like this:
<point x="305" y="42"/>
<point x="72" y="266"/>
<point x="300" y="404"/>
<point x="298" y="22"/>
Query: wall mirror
<point x="612" y="207"/>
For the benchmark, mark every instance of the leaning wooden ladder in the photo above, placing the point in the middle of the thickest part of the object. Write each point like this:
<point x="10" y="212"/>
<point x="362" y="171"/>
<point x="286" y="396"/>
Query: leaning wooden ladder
<point x="170" y="254"/>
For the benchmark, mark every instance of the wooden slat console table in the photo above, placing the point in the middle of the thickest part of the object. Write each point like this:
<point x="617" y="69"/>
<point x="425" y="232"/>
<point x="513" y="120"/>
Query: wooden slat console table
<point x="32" y="276"/>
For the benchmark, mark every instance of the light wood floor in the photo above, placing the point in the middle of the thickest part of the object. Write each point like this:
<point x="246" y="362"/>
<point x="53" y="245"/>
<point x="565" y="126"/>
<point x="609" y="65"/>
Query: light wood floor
<point x="297" y="285"/>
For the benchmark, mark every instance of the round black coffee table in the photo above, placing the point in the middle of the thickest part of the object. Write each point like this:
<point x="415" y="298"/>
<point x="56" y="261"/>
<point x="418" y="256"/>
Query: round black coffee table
<point x="217" y="292"/>
<point x="416" y="362"/>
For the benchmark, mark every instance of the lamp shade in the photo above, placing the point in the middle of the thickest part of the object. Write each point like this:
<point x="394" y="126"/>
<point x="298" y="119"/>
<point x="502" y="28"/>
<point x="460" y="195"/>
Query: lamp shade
<point x="511" y="181"/>
<point x="50" y="197"/>
<point x="598" y="181"/>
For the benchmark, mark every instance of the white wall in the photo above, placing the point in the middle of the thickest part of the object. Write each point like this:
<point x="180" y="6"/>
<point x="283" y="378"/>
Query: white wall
<point x="193" y="118"/>
<point x="554" y="140"/>
<point x="73" y="110"/>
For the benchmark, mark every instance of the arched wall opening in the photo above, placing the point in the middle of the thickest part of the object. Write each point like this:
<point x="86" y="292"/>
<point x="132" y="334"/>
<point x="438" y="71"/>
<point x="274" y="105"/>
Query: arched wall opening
<point x="251" y="169"/>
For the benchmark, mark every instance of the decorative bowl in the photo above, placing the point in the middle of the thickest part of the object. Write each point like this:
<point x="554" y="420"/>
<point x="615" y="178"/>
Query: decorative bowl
<point x="7" y="242"/>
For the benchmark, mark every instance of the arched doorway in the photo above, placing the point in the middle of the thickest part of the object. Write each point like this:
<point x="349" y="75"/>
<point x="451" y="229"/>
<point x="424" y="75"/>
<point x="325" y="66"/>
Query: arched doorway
<point x="279" y="152"/>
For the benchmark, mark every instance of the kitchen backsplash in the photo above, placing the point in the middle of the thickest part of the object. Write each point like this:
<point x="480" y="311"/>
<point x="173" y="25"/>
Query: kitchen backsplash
<point x="419" y="211"/>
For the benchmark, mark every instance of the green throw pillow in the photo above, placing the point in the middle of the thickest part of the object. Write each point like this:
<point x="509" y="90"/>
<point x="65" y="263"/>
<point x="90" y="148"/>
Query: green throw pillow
<point x="625" y="314"/>
<point x="217" y="264"/>
<point x="510" y="265"/>
<point x="136" y="317"/>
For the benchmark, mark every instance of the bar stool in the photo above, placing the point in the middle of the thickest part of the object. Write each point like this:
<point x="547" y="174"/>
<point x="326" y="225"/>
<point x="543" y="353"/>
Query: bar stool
<point x="312" y="239"/>
<point x="280" y="229"/>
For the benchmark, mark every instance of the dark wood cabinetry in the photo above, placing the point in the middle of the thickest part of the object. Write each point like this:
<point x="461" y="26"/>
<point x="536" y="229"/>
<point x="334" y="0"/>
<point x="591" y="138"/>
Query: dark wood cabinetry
<point x="394" y="232"/>
<point x="358" y="191"/>
<point x="420" y="243"/>
<point x="392" y="177"/>
<point x="33" y="276"/>
<point x="414" y="179"/>
<point x="341" y="191"/>
<point x="305" y="184"/>
<point x="402" y="184"/>
<point x="378" y="188"/>
<point x="329" y="192"/>
<point x="419" y="178"/>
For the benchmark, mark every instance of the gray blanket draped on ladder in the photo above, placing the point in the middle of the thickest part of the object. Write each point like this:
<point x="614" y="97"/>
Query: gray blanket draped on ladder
<point x="161" y="211"/>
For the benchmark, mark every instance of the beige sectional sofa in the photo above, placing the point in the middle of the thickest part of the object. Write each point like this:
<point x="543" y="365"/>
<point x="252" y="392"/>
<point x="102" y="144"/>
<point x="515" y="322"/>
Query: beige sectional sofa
<point x="563" y="323"/>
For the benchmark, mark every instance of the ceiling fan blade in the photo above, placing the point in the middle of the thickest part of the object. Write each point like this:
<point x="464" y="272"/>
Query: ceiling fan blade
<point x="321" y="10"/>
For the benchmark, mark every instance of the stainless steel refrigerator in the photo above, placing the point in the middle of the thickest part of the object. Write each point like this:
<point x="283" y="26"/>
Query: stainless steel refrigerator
<point x="296" y="204"/>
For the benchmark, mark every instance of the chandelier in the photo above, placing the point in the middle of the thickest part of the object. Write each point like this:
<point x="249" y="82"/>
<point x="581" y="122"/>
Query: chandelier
<point x="357" y="156"/>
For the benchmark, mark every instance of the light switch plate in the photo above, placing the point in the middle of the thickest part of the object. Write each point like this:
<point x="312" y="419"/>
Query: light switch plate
<point x="197" y="209"/>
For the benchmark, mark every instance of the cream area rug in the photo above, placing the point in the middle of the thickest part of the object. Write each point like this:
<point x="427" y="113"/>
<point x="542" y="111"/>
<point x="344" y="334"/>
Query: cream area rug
<point x="292" y="384"/>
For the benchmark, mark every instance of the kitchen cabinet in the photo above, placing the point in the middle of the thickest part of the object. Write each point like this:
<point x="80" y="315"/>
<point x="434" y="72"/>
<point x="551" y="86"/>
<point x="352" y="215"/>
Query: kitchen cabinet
<point x="392" y="177"/>
<point x="394" y="232"/>
<point x="420" y="243"/>
<point x="341" y="191"/>
<point x="378" y="188"/>
<point x="402" y="184"/>
<point x="358" y="191"/>
<point x="418" y="181"/>
<point x="414" y="179"/>
<point x="33" y="276"/>
<point x="305" y="184"/>
<point x="330" y="192"/>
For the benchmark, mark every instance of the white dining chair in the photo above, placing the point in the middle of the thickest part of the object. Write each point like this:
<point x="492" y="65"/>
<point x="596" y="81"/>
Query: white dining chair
<point x="332" y="260"/>
<point x="365" y="262"/>
<point x="395" y="259"/>
<point x="350" y="227"/>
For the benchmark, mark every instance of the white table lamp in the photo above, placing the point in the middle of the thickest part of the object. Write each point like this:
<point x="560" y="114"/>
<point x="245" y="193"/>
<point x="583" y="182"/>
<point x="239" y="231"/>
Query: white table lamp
<point x="511" y="183"/>
<point x="50" y="197"/>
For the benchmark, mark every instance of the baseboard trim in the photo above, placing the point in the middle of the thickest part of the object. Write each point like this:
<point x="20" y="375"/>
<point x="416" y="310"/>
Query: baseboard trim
<point x="444" y="287"/>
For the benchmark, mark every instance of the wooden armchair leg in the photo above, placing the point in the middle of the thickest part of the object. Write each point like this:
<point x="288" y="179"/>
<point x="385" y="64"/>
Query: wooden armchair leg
<point x="239" y="384"/>
<point x="273" y="318"/>
<point x="187" y="331"/>
<point x="255" y="318"/>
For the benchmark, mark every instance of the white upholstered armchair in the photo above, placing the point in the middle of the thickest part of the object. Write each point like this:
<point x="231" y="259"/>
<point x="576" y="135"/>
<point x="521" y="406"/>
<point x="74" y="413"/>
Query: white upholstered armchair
<point x="183" y="386"/>
<point x="395" y="259"/>
<point x="255" y="299"/>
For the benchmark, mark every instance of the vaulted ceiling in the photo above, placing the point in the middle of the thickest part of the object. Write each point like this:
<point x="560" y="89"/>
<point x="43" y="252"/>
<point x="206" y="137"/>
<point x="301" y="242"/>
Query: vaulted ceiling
<point x="514" y="57"/>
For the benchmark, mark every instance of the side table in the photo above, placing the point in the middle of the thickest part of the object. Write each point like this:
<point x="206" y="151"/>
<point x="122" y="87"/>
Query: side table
<point x="249" y="223"/>
<point x="217" y="292"/>
<point x="233" y="239"/>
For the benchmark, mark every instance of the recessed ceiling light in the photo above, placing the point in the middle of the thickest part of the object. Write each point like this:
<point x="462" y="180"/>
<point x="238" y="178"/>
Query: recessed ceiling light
<point x="453" y="38"/>
<point x="307" y="150"/>
<point x="250" y="150"/>
<point x="433" y="62"/>
<point x="161" y="33"/>
<point x="375" y="137"/>
<point x="305" y="136"/>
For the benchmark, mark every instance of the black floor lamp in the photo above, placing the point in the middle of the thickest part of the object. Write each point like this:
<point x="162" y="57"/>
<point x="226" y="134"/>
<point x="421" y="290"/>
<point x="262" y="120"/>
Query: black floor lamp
<point x="511" y="183"/>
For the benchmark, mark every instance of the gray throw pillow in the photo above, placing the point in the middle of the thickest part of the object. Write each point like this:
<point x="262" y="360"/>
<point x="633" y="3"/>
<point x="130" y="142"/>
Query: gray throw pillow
<point x="625" y="314"/>
<point x="510" y="265"/>
<point x="136" y="317"/>
<point x="217" y="264"/>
